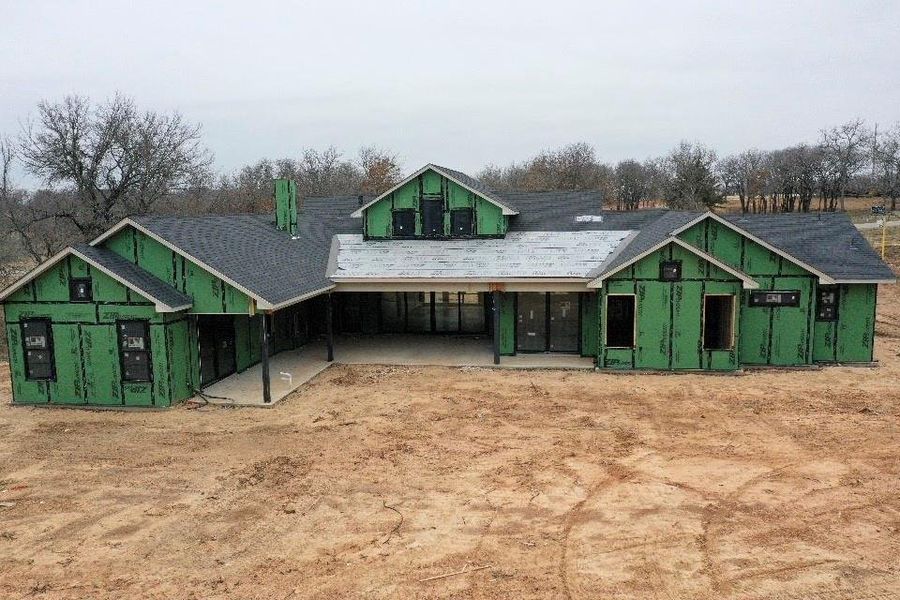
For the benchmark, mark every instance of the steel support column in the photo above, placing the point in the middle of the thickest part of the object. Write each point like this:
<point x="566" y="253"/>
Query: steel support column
<point x="264" y="358"/>
<point x="329" y="327"/>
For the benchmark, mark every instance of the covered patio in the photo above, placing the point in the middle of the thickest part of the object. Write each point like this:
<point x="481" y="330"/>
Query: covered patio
<point x="290" y="369"/>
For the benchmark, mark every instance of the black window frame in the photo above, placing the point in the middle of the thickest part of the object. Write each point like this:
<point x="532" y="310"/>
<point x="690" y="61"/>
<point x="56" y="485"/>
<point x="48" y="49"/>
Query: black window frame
<point x="146" y="350"/>
<point x="468" y="210"/>
<point x="766" y="303"/>
<point x="427" y="203"/>
<point x="668" y="264"/>
<point x="74" y="281"/>
<point x="606" y="343"/>
<point x="826" y="289"/>
<point x="403" y="211"/>
<point x="49" y="349"/>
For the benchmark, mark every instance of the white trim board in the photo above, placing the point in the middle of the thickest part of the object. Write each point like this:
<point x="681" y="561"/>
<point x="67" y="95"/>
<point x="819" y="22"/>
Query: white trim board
<point x="159" y="305"/>
<point x="358" y="213"/>
<point x="748" y="282"/>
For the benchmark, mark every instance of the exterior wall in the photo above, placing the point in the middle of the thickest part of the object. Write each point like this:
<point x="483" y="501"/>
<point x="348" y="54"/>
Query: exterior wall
<point x="851" y="337"/>
<point x="508" y="323"/>
<point x="211" y="295"/>
<point x="669" y="315"/>
<point x="489" y="218"/>
<point x="781" y="336"/>
<point x="86" y="347"/>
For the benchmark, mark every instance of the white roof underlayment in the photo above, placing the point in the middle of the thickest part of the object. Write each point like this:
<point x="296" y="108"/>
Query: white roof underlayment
<point x="521" y="254"/>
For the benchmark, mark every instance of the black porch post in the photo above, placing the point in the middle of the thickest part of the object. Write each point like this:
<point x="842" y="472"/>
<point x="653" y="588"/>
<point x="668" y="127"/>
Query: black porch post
<point x="264" y="358"/>
<point x="496" y="315"/>
<point x="329" y="328"/>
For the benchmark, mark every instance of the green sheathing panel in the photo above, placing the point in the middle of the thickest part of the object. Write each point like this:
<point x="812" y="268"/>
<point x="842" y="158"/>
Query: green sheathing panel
<point x="488" y="217"/>
<point x="589" y="323"/>
<point x="851" y="337"/>
<point x="508" y="323"/>
<point x="780" y="336"/>
<point x="86" y="347"/>
<point x="669" y="315"/>
<point x="211" y="295"/>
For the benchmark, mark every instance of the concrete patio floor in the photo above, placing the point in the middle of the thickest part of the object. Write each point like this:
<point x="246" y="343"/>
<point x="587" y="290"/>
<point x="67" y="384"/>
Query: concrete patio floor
<point x="289" y="370"/>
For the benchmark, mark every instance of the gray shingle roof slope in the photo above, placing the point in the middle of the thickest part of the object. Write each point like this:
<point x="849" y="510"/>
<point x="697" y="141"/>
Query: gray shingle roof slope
<point x="827" y="241"/>
<point x="152" y="287"/>
<point x="250" y="251"/>
<point x="479" y="186"/>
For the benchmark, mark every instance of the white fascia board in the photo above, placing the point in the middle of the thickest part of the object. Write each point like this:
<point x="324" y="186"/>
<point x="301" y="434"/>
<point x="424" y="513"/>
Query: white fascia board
<point x="261" y="302"/>
<point x="886" y="281"/>
<point x="461" y="280"/>
<point x="358" y="213"/>
<point x="823" y="278"/>
<point x="748" y="282"/>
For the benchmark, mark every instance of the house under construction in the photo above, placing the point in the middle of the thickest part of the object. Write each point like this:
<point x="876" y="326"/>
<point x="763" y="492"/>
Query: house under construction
<point x="159" y="307"/>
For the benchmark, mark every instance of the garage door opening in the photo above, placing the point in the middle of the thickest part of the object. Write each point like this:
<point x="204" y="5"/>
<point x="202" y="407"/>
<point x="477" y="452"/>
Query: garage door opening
<point x="620" y="321"/>
<point x="718" y="322"/>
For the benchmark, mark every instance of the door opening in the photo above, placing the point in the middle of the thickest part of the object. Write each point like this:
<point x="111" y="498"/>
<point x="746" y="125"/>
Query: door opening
<point x="620" y="321"/>
<point x="217" y="347"/>
<point x="718" y="322"/>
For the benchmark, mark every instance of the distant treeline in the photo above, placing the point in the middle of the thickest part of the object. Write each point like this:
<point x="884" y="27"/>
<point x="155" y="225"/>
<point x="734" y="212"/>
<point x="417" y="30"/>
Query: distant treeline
<point x="101" y="162"/>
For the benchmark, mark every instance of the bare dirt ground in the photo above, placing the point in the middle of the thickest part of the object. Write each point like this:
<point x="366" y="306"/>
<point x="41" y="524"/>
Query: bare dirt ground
<point x="566" y="485"/>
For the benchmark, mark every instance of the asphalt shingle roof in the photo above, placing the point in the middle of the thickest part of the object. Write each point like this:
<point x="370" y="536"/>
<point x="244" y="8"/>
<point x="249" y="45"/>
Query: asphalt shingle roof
<point x="830" y="242"/>
<point x="147" y="284"/>
<point x="250" y="251"/>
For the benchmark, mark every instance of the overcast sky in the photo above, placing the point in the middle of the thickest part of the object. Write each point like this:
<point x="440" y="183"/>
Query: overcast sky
<point x="463" y="83"/>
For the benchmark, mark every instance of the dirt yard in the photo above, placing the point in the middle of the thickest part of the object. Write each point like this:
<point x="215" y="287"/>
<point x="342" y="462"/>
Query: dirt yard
<point x="371" y="480"/>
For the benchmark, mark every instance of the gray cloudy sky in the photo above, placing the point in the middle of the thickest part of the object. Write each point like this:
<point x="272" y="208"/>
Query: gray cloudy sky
<point x="463" y="83"/>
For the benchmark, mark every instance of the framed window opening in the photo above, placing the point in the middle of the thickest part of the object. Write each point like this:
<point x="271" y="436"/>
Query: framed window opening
<point x="461" y="221"/>
<point x="670" y="270"/>
<point x="718" y="321"/>
<point x="621" y="321"/>
<point x="81" y="289"/>
<point x="770" y="298"/>
<point x="134" y="351"/>
<point x="37" y="348"/>
<point x="404" y="222"/>
<point x="827" y="303"/>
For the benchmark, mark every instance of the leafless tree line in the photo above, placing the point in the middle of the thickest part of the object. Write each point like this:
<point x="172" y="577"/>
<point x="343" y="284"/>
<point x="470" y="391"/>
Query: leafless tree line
<point x="848" y="160"/>
<point x="100" y="162"/>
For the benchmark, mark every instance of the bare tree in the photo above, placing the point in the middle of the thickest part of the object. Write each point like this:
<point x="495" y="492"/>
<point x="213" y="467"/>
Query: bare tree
<point x="744" y="175"/>
<point x="693" y="182"/>
<point x="114" y="159"/>
<point x="632" y="185"/>
<point x="380" y="170"/>
<point x="886" y="155"/>
<point x="845" y="151"/>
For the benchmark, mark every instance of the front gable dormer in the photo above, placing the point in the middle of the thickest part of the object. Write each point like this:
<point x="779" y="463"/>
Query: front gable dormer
<point x="434" y="203"/>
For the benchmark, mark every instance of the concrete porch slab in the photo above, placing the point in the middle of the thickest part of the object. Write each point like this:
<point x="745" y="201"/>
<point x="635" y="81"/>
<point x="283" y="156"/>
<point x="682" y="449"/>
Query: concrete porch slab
<point x="289" y="370"/>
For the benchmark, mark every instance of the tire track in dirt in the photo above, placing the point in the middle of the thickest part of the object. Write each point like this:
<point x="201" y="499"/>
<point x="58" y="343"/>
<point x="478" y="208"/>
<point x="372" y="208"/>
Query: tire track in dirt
<point x="617" y="474"/>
